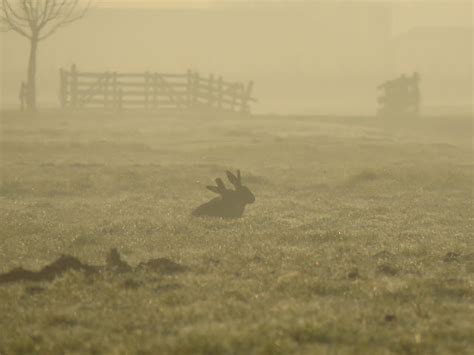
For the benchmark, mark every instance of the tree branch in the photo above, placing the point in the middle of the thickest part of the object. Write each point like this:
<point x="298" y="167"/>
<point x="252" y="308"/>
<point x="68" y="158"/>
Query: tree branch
<point x="64" y="14"/>
<point x="12" y="20"/>
<point x="39" y="18"/>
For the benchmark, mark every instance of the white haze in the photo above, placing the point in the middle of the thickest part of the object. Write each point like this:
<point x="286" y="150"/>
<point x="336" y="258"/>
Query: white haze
<point x="324" y="57"/>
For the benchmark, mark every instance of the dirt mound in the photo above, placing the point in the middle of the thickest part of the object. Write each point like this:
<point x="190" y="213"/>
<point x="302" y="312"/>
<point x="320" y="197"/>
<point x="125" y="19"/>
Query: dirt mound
<point x="114" y="264"/>
<point x="49" y="272"/>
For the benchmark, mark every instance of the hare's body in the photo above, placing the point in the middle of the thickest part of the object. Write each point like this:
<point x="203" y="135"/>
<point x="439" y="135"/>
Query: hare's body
<point x="219" y="207"/>
<point x="230" y="203"/>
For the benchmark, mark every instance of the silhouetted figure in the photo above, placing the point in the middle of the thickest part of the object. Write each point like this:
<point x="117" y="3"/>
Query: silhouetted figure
<point x="230" y="203"/>
<point x="401" y="96"/>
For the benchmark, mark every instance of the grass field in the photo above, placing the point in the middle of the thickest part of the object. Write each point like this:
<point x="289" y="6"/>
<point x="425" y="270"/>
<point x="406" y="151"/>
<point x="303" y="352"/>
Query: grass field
<point x="360" y="241"/>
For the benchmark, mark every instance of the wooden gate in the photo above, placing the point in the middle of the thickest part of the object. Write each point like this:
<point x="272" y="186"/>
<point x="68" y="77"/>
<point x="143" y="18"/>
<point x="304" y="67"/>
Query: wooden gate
<point x="152" y="91"/>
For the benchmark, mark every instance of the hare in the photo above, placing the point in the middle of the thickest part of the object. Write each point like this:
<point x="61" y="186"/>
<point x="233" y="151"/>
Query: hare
<point x="230" y="203"/>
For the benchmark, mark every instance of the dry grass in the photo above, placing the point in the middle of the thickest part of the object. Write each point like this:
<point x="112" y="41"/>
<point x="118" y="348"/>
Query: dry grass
<point x="360" y="240"/>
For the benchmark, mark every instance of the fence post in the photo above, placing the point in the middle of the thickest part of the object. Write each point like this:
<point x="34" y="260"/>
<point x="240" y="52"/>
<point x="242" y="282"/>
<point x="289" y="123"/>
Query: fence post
<point x="62" y="88"/>
<point x="220" y="93"/>
<point x="155" y="90"/>
<point x="189" y="88"/>
<point x="195" y="88"/>
<point x="115" y="90"/>
<point x="210" y="93"/>
<point x="120" y="99"/>
<point x="244" y="108"/>
<point x="235" y="88"/>
<point x="105" y="89"/>
<point x="74" y="86"/>
<point x="147" y="80"/>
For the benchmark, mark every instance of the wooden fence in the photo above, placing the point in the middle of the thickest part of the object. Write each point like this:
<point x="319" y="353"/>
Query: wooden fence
<point x="400" y="96"/>
<point x="150" y="90"/>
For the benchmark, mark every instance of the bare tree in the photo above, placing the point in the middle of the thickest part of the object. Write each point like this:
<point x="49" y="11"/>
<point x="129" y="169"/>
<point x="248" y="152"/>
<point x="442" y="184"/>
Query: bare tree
<point x="37" y="20"/>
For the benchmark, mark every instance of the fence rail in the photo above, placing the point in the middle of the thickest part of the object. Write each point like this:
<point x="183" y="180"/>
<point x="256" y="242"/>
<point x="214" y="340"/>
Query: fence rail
<point x="151" y="90"/>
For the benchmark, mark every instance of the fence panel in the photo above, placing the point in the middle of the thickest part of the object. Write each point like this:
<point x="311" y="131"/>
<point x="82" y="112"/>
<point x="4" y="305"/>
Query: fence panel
<point x="152" y="90"/>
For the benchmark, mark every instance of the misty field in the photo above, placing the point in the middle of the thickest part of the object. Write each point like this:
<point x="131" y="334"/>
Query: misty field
<point x="360" y="240"/>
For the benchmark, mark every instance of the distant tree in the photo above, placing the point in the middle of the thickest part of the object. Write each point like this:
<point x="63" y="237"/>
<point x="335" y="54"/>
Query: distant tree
<point x="36" y="20"/>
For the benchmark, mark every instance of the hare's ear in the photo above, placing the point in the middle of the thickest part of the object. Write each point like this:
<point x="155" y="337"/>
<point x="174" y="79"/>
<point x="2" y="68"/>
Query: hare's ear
<point x="220" y="184"/>
<point x="214" y="189"/>
<point x="232" y="178"/>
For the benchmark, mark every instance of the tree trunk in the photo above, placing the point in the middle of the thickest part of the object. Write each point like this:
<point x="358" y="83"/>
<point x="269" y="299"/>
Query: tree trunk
<point x="31" y="81"/>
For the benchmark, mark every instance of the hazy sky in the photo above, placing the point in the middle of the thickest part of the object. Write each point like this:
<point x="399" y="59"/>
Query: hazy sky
<point x="230" y="1"/>
<point x="406" y="13"/>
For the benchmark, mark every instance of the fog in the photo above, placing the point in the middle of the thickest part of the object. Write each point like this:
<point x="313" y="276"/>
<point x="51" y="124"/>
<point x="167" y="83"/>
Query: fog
<point x="229" y="177"/>
<point x="304" y="57"/>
